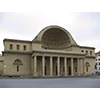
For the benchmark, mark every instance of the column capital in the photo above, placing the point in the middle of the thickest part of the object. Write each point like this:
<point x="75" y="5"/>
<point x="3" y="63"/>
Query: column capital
<point x="58" y="56"/>
<point x="65" y="57"/>
<point x="35" y="56"/>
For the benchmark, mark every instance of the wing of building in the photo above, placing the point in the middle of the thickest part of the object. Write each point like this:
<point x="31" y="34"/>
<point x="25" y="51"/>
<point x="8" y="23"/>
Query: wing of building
<point x="53" y="52"/>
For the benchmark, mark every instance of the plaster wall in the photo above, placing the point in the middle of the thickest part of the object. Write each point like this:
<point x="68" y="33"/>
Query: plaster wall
<point x="11" y="69"/>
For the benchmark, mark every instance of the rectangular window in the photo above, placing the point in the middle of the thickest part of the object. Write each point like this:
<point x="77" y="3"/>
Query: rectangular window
<point x="24" y="47"/>
<point x="99" y="63"/>
<point x="11" y="46"/>
<point x="17" y="68"/>
<point x="86" y="52"/>
<point x="96" y="59"/>
<point x="95" y="67"/>
<point x="91" y="53"/>
<point x="86" y="69"/>
<point x="75" y="69"/>
<point x="99" y="68"/>
<point x="17" y="47"/>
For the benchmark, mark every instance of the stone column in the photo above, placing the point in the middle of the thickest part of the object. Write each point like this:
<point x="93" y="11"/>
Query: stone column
<point x="72" y="67"/>
<point x="32" y="66"/>
<point x="35" y="65"/>
<point x="51" y="69"/>
<point x="84" y="66"/>
<point x="43" y="66"/>
<point x="65" y="63"/>
<point x="58" y="66"/>
<point x="78" y="67"/>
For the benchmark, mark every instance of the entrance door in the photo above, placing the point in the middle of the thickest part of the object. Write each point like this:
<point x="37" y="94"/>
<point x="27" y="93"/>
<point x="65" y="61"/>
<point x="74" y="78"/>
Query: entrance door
<point x="69" y="70"/>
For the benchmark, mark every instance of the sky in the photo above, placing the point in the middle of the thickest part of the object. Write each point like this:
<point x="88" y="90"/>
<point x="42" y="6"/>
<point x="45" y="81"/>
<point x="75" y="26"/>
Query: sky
<point x="26" y="24"/>
<point x="83" y="26"/>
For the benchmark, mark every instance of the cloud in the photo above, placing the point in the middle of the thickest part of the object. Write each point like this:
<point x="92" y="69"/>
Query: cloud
<point x="84" y="27"/>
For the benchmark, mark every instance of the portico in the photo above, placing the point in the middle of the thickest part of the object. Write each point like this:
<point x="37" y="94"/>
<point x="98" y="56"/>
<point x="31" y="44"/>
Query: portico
<point x="46" y="64"/>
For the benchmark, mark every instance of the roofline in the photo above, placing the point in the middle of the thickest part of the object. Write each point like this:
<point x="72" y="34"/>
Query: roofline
<point x="87" y="47"/>
<point x="51" y="26"/>
<point x="15" y="40"/>
<point x="82" y="46"/>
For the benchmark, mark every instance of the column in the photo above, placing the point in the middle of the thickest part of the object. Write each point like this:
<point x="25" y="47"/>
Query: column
<point x="51" y="69"/>
<point x="35" y="65"/>
<point x="43" y="66"/>
<point x="84" y="66"/>
<point x="65" y="63"/>
<point x="58" y="66"/>
<point x="78" y="67"/>
<point x="32" y="66"/>
<point x="71" y="66"/>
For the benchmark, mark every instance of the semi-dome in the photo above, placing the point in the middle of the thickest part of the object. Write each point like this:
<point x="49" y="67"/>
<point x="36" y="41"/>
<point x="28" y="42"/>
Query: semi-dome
<point x="55" y="37"/>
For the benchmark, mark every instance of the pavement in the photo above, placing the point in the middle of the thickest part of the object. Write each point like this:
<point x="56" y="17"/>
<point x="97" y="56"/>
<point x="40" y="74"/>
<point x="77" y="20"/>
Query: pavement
<point x="88" y="82"/>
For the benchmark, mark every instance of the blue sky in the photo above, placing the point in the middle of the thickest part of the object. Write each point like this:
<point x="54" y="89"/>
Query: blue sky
<point x="83" y="26"/>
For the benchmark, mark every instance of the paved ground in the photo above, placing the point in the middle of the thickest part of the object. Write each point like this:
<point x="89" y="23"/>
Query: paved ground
<point x="51" y="83"/>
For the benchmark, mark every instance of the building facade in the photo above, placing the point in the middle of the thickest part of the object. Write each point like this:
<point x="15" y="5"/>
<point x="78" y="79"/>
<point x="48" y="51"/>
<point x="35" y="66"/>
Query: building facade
<point x="97" y="62"/>
<point x="53" y="52"/>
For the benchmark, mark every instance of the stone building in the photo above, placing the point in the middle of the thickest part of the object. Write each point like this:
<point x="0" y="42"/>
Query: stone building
<point x="97" y="62"/>
<point x="53" y="52"/>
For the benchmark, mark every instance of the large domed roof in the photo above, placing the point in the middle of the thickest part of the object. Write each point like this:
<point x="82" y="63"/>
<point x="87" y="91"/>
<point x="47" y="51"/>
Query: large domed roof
<point x="54" y="37"/>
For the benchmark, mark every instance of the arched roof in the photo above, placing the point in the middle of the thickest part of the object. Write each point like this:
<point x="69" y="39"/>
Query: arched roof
<point x="54" y="37"/>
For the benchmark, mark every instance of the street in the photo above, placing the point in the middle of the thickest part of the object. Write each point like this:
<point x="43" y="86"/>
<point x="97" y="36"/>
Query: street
<point x="51" y="83"/>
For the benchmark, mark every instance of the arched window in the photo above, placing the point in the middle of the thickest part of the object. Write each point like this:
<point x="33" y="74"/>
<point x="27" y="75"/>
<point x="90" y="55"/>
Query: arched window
<point x="87" y="64"/>
<point x="17" y="62"/>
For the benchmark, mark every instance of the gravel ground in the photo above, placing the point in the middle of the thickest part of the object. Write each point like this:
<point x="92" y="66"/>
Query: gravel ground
<point x="51" y="83"/>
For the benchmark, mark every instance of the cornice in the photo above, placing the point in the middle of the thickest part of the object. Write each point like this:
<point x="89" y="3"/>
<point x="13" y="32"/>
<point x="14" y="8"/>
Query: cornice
<point x="90" y="57"/>
<point x="17" y="52"/>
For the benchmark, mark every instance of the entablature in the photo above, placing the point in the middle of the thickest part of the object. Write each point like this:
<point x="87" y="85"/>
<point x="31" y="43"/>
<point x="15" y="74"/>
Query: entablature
<point x="53" y="54"/>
